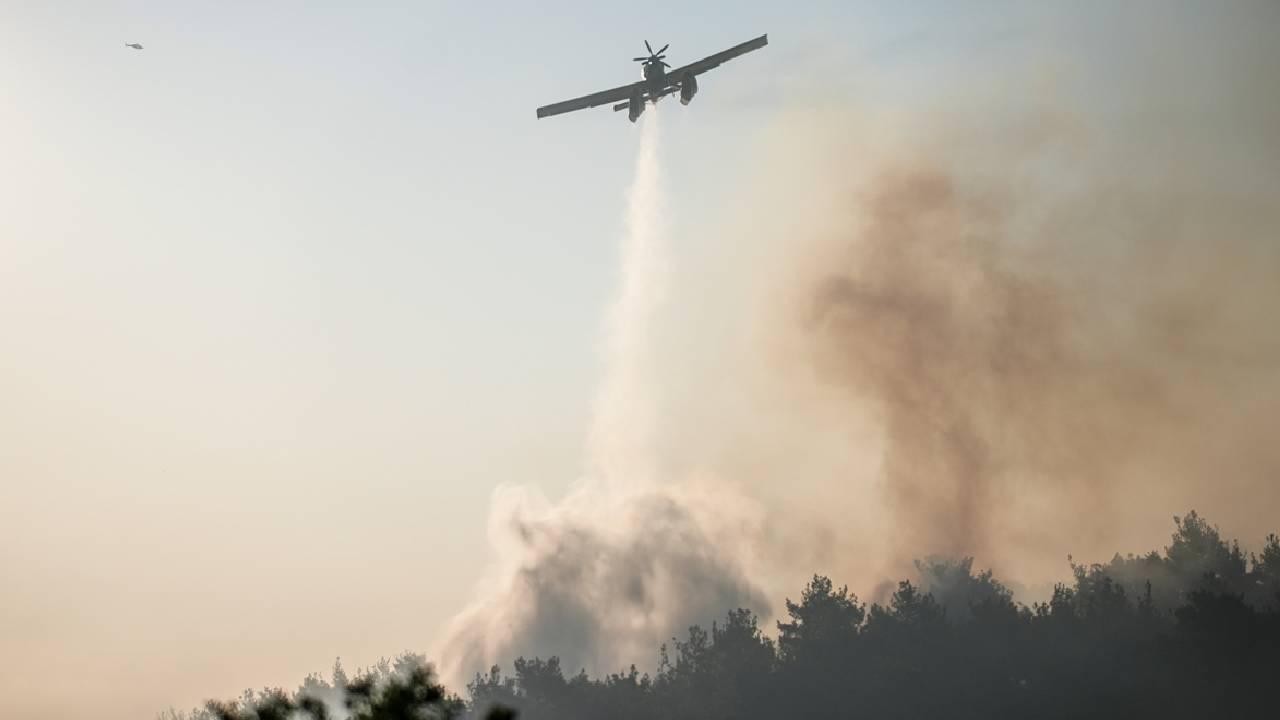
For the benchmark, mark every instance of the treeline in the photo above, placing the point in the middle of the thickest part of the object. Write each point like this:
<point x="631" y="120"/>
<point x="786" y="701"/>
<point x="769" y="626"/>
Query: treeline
<point x="1190" y="632"/>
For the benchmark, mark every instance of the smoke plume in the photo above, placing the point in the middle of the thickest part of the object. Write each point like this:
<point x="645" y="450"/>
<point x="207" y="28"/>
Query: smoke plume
<point x="1016" y="331"/>
<point x="1011" y="333"/>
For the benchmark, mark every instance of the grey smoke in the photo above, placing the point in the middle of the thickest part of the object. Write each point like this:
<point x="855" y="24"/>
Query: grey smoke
<point x="1014" y="331"/>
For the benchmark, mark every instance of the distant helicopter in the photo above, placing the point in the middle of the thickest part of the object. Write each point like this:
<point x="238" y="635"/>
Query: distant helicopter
<point x="135" y="46"/>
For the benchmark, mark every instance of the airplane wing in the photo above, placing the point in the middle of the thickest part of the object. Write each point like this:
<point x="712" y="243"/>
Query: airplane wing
<point x="589" y="101"/>
<point x="714" y="61"/>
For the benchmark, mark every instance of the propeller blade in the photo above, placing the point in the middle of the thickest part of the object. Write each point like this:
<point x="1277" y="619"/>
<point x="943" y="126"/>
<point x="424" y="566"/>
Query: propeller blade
<point x="664" y="48"/>
<point x="648" y="47"/>
<point x="664" y="63"/>
<point x="640" y="59"/>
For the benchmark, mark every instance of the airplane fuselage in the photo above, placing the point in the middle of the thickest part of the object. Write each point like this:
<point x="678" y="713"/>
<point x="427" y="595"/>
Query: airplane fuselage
<point x="654" y="74"/>
<point x="657" y="81"/>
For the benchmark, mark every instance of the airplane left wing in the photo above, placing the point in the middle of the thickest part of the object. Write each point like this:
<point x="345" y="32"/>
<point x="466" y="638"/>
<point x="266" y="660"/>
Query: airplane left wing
<point x="588" y="101"/>
<point x="720" y="58"/>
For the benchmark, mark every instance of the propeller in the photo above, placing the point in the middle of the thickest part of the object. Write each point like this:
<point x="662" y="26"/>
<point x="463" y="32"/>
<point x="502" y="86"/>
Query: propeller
<point x="654" y="56"/>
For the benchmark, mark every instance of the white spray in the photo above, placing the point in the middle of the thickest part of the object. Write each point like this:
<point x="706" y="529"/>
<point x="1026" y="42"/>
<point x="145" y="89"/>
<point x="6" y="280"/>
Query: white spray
<point x="620" y="447"/>
<point x="602" y="578"/>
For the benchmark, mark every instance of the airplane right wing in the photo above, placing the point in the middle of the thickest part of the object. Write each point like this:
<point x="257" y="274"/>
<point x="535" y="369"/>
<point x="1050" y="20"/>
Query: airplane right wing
<point x="724" y="56"/>
<point x="589" y="101"/>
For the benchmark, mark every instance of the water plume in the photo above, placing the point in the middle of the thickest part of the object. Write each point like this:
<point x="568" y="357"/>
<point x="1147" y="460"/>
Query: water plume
<point x="604" y="576"/>
<point x="620" y="444"/>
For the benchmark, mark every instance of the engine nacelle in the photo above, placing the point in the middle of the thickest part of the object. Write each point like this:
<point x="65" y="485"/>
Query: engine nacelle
<point x="688" y="88"/>
<point x="636" y="106"/>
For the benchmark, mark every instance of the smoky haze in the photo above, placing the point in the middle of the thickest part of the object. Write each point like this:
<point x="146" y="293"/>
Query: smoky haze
<point x="1039" y="321"/>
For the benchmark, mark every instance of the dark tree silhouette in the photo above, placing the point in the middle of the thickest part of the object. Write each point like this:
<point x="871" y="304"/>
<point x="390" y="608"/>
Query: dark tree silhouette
<point x="1193" y="631"/>
<point x="406" y="692"/>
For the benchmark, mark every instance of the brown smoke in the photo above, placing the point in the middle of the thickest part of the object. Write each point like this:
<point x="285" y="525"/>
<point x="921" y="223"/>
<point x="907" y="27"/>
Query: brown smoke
<point x="1017" y="329"/>
<point x="1056" y="360"/>
<point x="999" y="386"/>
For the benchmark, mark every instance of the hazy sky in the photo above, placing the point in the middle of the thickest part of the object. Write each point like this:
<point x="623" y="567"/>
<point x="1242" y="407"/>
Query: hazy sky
<point x="284" y="296"/>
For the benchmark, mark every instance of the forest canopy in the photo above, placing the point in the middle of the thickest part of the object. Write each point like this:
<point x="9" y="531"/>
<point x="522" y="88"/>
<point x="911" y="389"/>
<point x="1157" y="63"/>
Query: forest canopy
<point x="1193" y="630"/>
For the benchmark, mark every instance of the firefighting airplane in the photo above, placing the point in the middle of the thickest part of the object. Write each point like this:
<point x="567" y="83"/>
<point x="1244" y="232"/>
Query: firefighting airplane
<point x="658" y="82"/>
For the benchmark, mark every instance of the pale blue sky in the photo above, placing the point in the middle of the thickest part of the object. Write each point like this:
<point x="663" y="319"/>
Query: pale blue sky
<point x="285" y="295"/>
